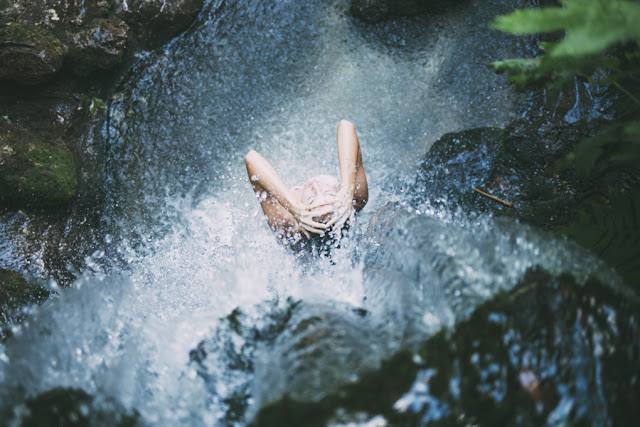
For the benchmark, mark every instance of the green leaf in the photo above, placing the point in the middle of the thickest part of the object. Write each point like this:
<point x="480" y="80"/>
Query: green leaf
<point x="592" y="26"/>
<point x="620" y="141"/>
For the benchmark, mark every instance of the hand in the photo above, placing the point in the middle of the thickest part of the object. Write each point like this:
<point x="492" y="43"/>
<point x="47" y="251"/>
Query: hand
<point x="342" y="209"/>
<point x="305" y="217"/>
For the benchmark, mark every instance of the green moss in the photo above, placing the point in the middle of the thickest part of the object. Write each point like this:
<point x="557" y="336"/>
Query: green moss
<point x="36" y="172"/>
<point x="30" y="33"/>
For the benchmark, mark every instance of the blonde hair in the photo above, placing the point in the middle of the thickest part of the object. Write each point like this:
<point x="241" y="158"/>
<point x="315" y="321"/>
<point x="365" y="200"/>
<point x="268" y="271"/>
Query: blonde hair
<point x="318" y="189"/>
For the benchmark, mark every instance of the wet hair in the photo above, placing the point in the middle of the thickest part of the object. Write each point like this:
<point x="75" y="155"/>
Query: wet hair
<point x="320" y="188"/>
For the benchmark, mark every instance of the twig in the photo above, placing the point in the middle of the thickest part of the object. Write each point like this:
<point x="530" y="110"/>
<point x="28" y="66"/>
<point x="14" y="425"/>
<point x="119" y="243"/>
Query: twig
<point x="493" y="197"/>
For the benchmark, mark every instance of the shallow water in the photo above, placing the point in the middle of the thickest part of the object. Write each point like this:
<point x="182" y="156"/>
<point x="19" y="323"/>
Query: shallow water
<point x="185" y="242"/>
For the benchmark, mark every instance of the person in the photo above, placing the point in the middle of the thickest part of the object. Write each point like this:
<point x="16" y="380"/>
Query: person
<point x="319" y="205"/>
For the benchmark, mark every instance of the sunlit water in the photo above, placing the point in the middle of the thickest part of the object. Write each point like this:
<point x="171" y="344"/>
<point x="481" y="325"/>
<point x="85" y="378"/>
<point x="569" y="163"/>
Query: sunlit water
<point x="185" y="240"/>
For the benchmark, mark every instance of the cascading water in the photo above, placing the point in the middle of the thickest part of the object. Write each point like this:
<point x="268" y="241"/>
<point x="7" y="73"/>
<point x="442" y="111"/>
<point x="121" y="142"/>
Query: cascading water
<point x="186" y="242"/>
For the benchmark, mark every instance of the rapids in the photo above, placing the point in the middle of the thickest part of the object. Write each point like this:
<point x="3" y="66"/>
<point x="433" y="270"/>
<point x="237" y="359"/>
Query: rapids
<point x="185" y="242"/>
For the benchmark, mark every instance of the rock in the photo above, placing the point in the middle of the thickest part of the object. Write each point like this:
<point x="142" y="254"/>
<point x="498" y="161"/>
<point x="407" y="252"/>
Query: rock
<point x="101" y="46"/>
<point x="514" y="165"/>
<point x="322" y="347"/>
<point x="549" y="351"/>
<point x="457" y="162"/>
<point x="16" y="293"/>
<point x="370" y="10"/>
<point x="525" y="166"/>
<point x="35" y="172"/>
<point x="157" y="21"/>
<point x="29" y="54"/>
<point x="74" y="407"/>
<point x="377" y="10"/>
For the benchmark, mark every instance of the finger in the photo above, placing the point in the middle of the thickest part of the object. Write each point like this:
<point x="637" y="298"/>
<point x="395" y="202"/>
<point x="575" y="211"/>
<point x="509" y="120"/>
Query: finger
<point x="345" y="218"/>
<point x="334" y="220"/>
<point x="321" y="211"/>
<point x="319" y="204"/>
<point x="313" y="230"/>
<point x="341" y="219"/>
<point x="312" y="223"/>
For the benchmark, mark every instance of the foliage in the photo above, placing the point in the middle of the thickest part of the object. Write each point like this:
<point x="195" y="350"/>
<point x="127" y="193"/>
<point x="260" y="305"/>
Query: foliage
<point x="600" y="44"/>
<point x="96" y="105"/>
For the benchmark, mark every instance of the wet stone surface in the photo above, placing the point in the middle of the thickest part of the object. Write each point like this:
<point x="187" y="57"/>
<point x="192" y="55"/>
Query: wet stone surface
<point x="15" y="293"/>
<point x="524" y="166"/>
<point x="74" y="407"/>
<point x="548" y="351"/>
<point x="373" y="11"/>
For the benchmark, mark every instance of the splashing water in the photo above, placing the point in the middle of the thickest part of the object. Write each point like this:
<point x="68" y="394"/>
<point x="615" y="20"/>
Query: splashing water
<point x="185" y="240"/>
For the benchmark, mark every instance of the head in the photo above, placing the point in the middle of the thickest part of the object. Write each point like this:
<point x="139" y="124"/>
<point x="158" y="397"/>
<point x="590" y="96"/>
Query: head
<point x="321" y="188"/>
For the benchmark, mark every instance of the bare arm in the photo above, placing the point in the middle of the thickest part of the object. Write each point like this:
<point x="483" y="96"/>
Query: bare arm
<point x="354" y="192"/>
<point x="353" y="180"/>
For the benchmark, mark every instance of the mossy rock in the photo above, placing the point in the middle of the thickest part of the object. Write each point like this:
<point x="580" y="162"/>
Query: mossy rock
<point x="35" y="172"/>
<point x="16" y="292"/>
<point x="29" y="54"/>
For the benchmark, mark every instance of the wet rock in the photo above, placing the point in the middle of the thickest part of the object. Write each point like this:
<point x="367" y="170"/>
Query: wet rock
<point x="101" y="46"/>
<point x="322" y="347"/>
<point x="300" y="352"/>
<point x="524" y="167"/>
<point x="156" y="21"/>
<point x="35" y="172"/>
<point x="514" y="165"/>
<point x="377" y="10"/>
<point x="549" y="351"/>
<point x="457" y="162"/>
<point x="74" y="407"/>
<point x="16" y="292"/>
<point x="29" y="54"/>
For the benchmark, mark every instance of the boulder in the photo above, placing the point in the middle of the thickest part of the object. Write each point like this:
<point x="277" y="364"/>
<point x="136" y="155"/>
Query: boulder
<point x="75" y="407"/>
<point x="549" y="351"/>
<point x="98" y="47"/>
<point x="29" y="54"/>
<point x="157" y="21"/>
<point x="15" y="293"/>
<point x="377" y="10"/>
<point x="524" y="166"/>
<point x="35" y="172"/>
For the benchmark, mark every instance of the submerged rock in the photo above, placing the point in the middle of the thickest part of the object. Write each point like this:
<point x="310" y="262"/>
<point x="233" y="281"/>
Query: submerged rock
<point x="548" y="351"/>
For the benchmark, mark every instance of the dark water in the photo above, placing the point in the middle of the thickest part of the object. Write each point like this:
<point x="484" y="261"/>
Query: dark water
<point x="186" y="243"/>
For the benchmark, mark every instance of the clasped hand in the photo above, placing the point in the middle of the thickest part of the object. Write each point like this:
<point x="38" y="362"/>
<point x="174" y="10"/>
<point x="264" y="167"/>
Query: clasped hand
<point x="319" y="217"/>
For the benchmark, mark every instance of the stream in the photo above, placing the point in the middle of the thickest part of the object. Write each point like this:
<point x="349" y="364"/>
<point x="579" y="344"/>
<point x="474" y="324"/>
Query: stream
<point x="186" y="249"/>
